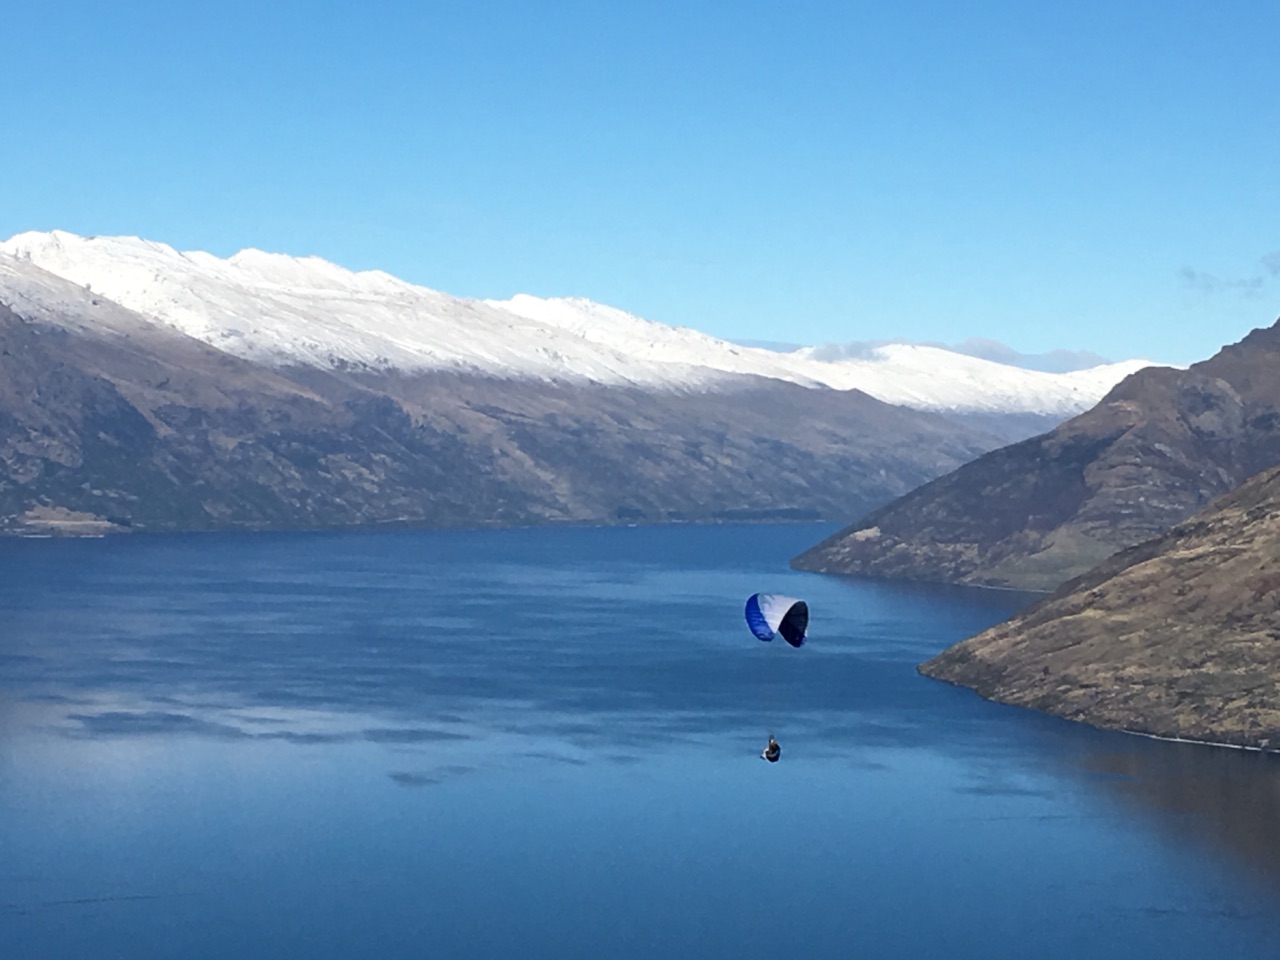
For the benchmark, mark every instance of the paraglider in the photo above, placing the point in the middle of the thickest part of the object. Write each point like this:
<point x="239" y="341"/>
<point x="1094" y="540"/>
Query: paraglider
<point x="772" y="615"/>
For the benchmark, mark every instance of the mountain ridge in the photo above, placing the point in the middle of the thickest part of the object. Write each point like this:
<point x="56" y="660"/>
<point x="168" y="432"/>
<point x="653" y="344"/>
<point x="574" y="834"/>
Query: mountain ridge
<point x="110" y="421"/>
<point x="1159" y="446"/>
<point x="284" y="310"/>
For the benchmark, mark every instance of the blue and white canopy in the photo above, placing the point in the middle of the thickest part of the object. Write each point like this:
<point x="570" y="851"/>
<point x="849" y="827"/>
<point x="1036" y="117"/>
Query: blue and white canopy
<point x="771" y="614"/>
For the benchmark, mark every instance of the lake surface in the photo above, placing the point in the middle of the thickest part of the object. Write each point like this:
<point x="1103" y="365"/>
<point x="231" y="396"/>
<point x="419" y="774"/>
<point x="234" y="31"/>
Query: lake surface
<point x="545" y="743"/>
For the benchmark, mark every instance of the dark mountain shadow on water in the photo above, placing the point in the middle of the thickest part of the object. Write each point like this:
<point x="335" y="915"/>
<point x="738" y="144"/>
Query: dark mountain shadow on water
<point x="1223" y="801"/>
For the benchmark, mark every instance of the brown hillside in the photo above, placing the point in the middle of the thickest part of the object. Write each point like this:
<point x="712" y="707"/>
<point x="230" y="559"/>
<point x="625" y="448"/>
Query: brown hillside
<point x="1176" y="637"/>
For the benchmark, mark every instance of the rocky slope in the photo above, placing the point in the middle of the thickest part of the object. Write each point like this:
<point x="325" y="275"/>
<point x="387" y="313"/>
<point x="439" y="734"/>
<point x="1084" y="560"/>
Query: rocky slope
<point x="1161" y="445"/>
<point x="1178" y="636"/>
<point x="109" y="420"/>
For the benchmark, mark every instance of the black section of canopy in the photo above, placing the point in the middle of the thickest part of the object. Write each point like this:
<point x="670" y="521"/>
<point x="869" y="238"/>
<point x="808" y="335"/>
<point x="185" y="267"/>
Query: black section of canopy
<point x="795" y="623"/>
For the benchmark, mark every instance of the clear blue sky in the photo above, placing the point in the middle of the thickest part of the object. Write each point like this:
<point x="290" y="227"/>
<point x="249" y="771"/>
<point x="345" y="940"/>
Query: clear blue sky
<point x="1094" y="175"/>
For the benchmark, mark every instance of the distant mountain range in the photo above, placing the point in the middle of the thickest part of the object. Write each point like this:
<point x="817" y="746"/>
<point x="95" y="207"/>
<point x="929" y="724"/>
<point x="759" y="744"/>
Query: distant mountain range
<point x="145" y="388"/>
<point x="288" y="311"/>
<point x="1160" y="446"/>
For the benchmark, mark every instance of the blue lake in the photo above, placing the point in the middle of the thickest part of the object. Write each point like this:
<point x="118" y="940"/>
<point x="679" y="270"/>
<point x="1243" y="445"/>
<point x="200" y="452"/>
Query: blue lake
<point x="545" y="743"/>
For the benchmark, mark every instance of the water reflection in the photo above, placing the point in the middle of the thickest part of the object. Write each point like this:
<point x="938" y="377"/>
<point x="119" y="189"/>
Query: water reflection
<point x="1224" y="801"/>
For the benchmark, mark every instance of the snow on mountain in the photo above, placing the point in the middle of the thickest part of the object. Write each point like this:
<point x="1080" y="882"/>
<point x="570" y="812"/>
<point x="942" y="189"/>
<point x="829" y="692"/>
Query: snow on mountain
<point x="930" y="378"/>
<point x="285" y="310"/>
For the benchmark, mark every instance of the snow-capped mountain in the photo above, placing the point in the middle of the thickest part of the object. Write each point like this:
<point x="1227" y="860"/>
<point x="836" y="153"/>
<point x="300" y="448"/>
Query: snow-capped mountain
<point x="288" y="311"/>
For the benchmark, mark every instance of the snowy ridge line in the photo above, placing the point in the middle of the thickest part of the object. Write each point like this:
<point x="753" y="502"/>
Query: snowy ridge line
<point x="283" y="310"/>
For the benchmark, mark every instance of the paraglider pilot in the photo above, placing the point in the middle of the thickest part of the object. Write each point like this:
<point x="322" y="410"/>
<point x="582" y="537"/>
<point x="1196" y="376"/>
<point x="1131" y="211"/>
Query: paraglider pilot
<point x="770" y="615"/>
